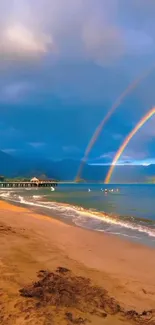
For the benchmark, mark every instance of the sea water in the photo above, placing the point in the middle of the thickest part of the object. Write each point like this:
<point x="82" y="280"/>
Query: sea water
<point x="123" y="210"/>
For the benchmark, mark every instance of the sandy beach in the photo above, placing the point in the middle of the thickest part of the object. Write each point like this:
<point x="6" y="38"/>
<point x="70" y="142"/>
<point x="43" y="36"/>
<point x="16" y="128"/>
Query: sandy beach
<point x="31" y="242"/>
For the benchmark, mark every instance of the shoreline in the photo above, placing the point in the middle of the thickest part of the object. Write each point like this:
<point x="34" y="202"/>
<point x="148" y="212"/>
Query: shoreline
<point x="30" y="241"/>
<point x="36" y="212"/>
<point x="130" y="228"/>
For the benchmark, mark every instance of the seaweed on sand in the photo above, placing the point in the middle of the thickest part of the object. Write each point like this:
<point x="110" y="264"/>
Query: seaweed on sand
<point x="68" y="292"/>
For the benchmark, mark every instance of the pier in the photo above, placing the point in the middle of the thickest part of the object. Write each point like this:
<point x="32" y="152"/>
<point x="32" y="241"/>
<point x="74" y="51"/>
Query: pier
<point x="33" y="183"/>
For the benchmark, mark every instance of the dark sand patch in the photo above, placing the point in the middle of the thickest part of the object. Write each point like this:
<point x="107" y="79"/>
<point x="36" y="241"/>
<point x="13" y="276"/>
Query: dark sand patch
<point x="77" y="299"/>
<point x="119" y="271"/>
<point x="6" y="229"/>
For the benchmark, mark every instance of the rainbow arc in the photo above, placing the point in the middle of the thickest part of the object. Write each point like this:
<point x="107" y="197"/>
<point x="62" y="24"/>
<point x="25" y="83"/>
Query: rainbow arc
<point x="117" y="103"/>
<point x="126" y="141"/>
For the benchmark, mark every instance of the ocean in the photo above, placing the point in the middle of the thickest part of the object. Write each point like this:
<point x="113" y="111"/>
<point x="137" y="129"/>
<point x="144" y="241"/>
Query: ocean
<point x="122" y="210"/>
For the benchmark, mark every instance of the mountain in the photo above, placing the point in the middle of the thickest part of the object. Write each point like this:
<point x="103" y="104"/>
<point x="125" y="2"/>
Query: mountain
<point x="64" y="170"/>
<point x="67" y="170"/>
<point x="8" y="164"/>
<point x="133" y="174"/>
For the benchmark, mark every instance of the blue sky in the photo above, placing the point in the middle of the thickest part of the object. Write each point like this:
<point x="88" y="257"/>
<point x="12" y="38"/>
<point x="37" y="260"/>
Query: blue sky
<point x="63" y="63"/>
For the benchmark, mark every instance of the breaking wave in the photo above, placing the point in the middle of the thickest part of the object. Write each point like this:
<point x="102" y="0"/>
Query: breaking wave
<point x="81" y="217"/>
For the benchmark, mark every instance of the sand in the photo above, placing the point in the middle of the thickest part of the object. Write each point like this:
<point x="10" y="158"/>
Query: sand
<point x="30" y="242"/>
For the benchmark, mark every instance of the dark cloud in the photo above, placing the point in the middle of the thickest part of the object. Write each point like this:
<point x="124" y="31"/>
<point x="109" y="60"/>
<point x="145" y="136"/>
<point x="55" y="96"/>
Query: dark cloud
<point x="62" y="65"/>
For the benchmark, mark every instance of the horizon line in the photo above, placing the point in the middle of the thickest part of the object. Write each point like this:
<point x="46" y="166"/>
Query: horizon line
<point x="121" y="164"/>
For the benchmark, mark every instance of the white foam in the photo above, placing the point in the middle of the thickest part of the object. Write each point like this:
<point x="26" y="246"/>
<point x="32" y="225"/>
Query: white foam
<point x="121" y="234"/>
<point x="78" y="214"/>
<point x="79" y="211"/>
<point x="37" y="196"/>
<point x="23" y="201"/>
<point x="5" y="194"/>
<point x="123" y="224"/>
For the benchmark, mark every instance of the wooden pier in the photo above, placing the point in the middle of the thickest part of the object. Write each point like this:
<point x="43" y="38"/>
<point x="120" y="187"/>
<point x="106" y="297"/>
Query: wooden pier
<point x="33" y="183"/>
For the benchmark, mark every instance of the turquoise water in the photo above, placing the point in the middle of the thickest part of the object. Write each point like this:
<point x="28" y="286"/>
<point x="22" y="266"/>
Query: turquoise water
<point x="128" y="209"/>
<point x="131" y="200"/>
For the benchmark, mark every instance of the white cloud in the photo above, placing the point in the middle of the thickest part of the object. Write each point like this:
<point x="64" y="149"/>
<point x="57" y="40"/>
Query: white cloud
<point x="9" y="150"/>
<point x="77" y="29"/>
<point x="18" y="39"/>
<point x="94" y="30"/>
<point x="22" y="33"/>
<point x="134" y="154"/>
<point x="16" y="92"/>
<point x="36" y="145"/>
<point x="107" y="155"/>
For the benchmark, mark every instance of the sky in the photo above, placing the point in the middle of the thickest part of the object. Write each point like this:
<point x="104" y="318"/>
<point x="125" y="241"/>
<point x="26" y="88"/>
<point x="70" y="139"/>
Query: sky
<point x="63" y="63"/>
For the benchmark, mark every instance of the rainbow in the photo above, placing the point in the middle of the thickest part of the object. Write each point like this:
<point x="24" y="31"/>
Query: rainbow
<point x="126" y="141"/>
<point x="97" y="132"/>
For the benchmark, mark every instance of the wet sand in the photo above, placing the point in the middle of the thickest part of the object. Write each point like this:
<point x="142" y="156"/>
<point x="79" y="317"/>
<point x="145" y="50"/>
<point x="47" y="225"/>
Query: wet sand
<point x="31" y="242"/>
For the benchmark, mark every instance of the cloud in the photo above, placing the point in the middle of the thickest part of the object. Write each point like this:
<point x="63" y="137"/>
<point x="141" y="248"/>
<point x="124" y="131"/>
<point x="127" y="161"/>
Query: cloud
<point x="77" y="29"/>
<point x="131" y="154"/>
<point x="104" y="159"/>
<point x="139" y="144"/>
<point x="130" y="157"/>
<point x="20" y="41"/>
<point x="22" y="34"/>
<point x="15" y="92"/>
<point x="9" y="132"/>
<point x="117" y="136"/>
<point x="71" y="149"/>
<point x="9" y="150"/>
<point x="89" y="52"/>
<point x="148" y="130"/>
<point x="103" y="46"/>
<point x="36" y="145"/>
<point x="108" y="155"/>
<point x="138" y="42"/>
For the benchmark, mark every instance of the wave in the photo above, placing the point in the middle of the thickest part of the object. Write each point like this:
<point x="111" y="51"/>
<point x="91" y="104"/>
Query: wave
<point x="127" y="225"/>
<point x="82" y="217"/>
<point x="120" y="234"/>
<point x="78" y="214"/>
<point x="37" y="196"/>
<point x="5" y="194"/>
